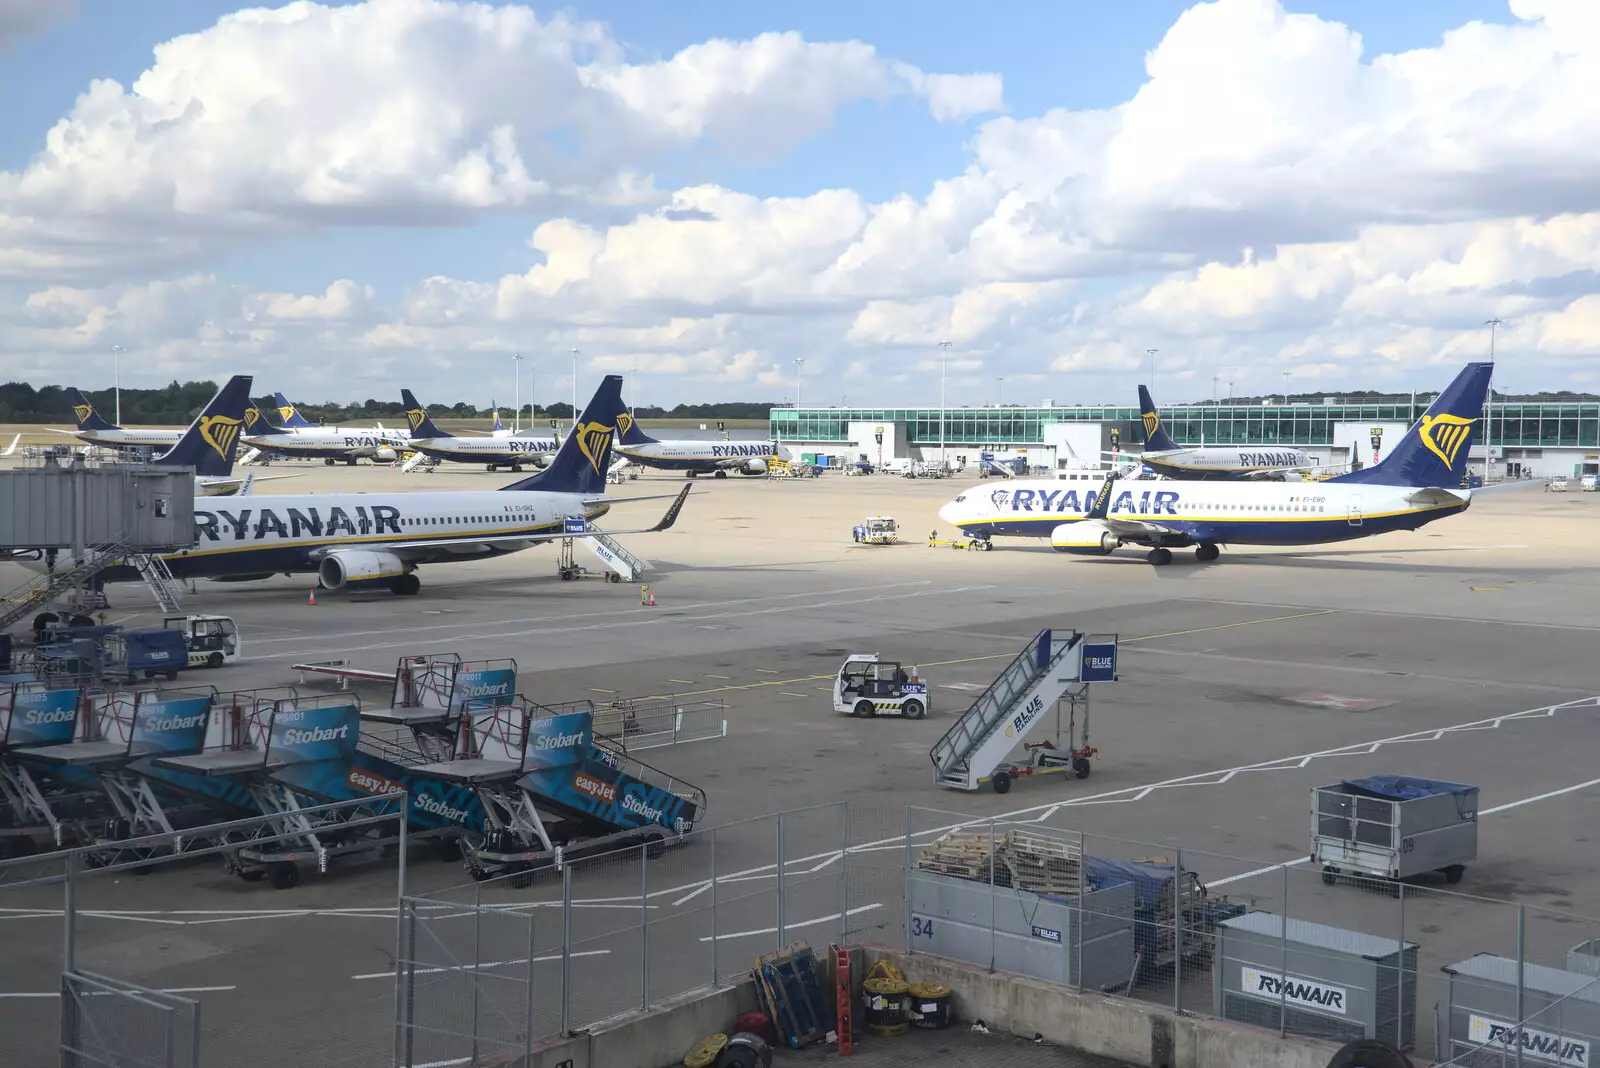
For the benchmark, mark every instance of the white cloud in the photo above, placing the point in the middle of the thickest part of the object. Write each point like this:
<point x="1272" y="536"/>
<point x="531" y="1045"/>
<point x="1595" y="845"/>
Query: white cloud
<point x="1271" y="198"/>
<point x="411" y="111"/>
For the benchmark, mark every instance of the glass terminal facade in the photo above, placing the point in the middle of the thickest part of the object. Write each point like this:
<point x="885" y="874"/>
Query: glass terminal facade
<point x="1513" y="424"/>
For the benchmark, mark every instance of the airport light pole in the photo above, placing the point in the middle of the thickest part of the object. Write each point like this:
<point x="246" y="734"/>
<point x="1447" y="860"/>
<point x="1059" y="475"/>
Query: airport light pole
<point x="633" y="389"/>
<point x="516" y="389"/>
<point x="1152" y="354"/>
<point x="799" y="364"/>
<point x="944" y="354"/>
<point x="116" y="381"/>
<point x="1488" y="412"/>
<point x="1286" y="387"/>
<point x="1213" y="389"/>
<point x="999" y="391"/>
<point x="574" y="353"/>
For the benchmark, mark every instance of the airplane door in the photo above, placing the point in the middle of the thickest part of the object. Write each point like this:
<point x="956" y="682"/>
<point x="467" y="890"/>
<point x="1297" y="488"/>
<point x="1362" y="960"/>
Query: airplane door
<point x="1355" y="510"/>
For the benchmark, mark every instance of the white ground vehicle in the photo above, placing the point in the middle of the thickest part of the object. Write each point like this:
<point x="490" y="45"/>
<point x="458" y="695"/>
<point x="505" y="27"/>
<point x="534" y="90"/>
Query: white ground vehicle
<point x="877" y="530"/>
<point x="867" y="686"/>
<point x="1556" y="485"/>
<point x="211" y="640"/>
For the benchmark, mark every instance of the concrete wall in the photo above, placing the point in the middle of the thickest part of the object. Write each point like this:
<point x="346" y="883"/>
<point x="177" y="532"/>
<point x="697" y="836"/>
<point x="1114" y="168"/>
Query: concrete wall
<point x="657" y="1039"/>
<point x="1125" y="1030"/>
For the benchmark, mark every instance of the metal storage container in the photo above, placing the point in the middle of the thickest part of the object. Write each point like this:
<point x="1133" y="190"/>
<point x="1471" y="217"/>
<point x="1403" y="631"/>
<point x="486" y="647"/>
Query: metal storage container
<point x="1394" y="827"/>
<point x="1326" y="982"/>
<point x="1478" y="1014"/>
<point x="1043" y="936"/>
<point x="1584" y="958"/>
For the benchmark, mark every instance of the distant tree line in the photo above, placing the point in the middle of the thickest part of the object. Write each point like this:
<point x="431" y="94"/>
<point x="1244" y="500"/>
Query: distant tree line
<point x="180" y="402"/>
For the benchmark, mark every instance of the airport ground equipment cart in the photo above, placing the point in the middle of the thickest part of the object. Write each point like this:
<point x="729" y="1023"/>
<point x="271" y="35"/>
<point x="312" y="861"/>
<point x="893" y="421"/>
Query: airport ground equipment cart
<point x="868" y="685"/>
<point x="876" y="530"/>
<point x="990" y="744"/>
<point x="212" y="641"/>
<point x="1394" y="827"/>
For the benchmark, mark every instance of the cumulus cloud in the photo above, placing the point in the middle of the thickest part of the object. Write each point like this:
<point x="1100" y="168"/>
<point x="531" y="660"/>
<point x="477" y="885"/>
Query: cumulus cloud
<point x="1271" y="197"/>
<point x="405" y="112"/>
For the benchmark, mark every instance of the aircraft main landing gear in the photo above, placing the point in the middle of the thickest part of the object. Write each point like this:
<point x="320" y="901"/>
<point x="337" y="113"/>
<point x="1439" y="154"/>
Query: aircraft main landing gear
<point x="405" y="586"/>
<point x="1206" y="551"/>
<point x="1159" y="557"/>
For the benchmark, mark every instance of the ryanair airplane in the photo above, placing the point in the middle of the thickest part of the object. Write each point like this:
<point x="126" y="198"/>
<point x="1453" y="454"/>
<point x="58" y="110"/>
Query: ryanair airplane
<point x="1418" y="483"/>
<point x="492" y="452"/>
<point x="1166" y="457"/>
<point x="366" y="540"/>
<point x="212" y="440"/>
<point x="328" y="444"/>
<point x="696" y="457"/>
<point x="95" y="430"/>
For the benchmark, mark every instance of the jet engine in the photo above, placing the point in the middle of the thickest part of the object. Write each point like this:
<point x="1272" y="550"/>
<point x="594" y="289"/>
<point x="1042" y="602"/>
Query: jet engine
<point x="1087" y="537"/>
<point x="358" y="567"/>
<point x="385" y="454"/>
<point x="754" y="466"/>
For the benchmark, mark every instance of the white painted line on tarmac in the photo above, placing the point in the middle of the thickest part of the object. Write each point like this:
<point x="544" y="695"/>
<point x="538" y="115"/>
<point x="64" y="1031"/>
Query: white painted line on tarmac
<point x="1483" y="812"/>
<point x="168" y="990"/>
<point x="791" y="926"/>
<point x="485" y="964"/>
<point x="692" y="894"/>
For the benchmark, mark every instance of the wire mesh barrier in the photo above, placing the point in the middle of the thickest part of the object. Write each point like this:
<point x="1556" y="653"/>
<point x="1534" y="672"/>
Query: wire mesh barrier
<point x="107" y="1022"/>
<point x="1278" y="946"/>
<point x="467" y="982"/>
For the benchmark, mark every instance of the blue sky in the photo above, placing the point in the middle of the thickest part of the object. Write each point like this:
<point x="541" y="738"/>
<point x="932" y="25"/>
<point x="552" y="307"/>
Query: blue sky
<point x="1062" y="287"/>
<point x="1075" y="54"/>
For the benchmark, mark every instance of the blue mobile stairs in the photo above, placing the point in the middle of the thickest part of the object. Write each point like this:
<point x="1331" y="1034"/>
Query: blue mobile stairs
<point x="531" y="786"/>
<point x="980" y="747"/>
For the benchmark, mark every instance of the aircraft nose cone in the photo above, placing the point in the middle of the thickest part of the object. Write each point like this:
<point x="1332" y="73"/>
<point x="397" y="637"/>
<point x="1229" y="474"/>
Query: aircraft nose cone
<point x="948" y="513"/>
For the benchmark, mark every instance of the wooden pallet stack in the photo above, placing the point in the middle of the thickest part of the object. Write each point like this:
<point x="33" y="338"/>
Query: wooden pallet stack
<point x="1019" y="858"/>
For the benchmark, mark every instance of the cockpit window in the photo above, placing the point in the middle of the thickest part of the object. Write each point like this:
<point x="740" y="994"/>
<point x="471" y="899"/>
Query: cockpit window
<point x="961" y="498"/>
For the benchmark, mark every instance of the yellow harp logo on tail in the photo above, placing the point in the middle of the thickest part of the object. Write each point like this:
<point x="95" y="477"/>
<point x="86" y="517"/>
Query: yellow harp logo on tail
<point x="624" y="424"/>
<point x="83" y="412"/>
<point x="252" y="416"/>
<point x="221" y="432"/>
<point x="1152" y="423"/>
<point x="286" y="412"/>
<point x="593" y="441"/>
<point x="415" y="416"/>
<point x="1444" y="435"/>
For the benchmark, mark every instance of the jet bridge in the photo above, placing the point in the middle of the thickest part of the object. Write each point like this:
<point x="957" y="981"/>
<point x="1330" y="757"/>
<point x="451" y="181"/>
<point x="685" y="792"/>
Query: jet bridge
<point x="1054" y="669"/>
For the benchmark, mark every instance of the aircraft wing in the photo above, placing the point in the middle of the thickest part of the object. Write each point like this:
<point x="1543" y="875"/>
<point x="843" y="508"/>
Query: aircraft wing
<point x="647" y="497"/>
<point x="58" y="430"/>
<point x="414" y="545"/>
<point x="1134" y="528"/>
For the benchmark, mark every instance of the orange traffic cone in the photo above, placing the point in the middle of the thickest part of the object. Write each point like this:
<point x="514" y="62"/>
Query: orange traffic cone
<point x="313" y="598"/>
<point x="652" y="600"/>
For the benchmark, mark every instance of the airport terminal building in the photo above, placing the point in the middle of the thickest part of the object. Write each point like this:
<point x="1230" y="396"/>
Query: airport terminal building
<point x="1526" y="438"/>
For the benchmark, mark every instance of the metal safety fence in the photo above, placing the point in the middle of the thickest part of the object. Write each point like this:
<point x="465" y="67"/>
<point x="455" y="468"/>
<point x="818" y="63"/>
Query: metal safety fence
<point x="1308" y="953"/>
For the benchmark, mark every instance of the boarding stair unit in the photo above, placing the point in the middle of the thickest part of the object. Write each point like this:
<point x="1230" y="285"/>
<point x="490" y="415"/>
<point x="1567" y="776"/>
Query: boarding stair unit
<point x="167" y="591"/>
<point x="611" y="553"/>
<point x="47" y="588"/>
<point x="1003" y="715"/>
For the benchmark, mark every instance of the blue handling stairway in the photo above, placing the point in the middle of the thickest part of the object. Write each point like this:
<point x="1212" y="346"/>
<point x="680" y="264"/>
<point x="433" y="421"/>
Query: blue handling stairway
<point x="1000" y="719"/>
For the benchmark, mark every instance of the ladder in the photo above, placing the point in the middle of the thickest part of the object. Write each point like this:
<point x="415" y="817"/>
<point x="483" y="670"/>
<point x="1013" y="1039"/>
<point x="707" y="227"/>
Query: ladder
<point x="614" y="556"/>
<point x="1001" y="717"/>
<point x="414" y="461"/>
<point x="157" y="576"/>
<point x="251" y="457"/>
<point x="45" y="589"/>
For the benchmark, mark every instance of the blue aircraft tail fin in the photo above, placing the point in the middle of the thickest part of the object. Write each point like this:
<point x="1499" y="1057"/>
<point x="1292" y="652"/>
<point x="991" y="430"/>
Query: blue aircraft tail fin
<point x="496" y="425"/>
<point x="257" y="425"/>
<point x="212" y="439"/>
<point x="628" y="432"/>
<point x="287" y="414"/>
<point x="88" y="418"/>
<point x="1155" y="439"/>
<point x="1434" y="453"/>
<point x="581" y="463"/>
<point x="417" y="416"/>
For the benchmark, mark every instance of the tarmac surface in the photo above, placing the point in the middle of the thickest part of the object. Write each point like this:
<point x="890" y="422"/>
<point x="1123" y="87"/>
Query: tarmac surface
<point x="1464" y="651"/>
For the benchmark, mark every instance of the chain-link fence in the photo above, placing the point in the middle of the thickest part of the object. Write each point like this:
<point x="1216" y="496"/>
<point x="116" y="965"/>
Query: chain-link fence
<point x="1277" y="946"/>
<point x="131" y="955"/>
